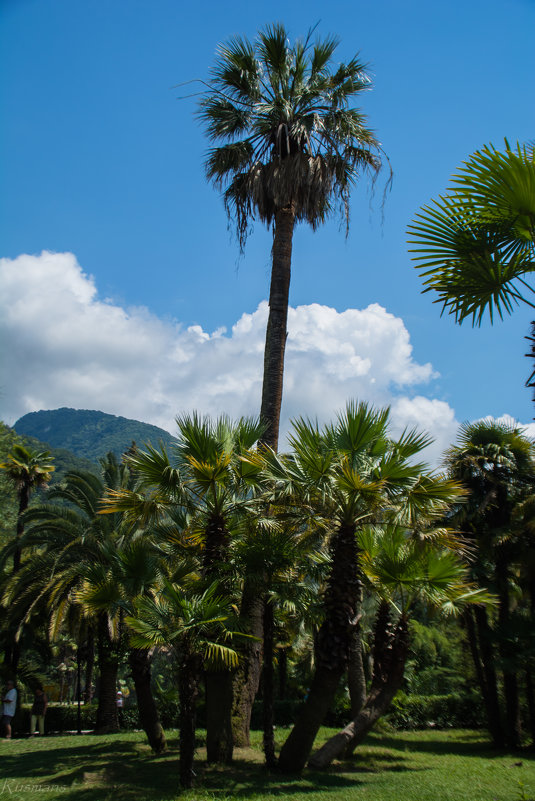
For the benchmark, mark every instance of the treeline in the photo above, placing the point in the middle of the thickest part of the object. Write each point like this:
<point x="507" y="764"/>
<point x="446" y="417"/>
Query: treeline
<point x="223" y="560"/>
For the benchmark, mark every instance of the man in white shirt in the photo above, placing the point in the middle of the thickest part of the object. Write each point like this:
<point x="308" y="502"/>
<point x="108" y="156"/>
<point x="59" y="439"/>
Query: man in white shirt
<point x="10" y="704"/>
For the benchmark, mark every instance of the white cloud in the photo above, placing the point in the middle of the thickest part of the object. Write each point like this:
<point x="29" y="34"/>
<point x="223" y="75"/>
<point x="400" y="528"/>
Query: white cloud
<point x="67" y="347"/>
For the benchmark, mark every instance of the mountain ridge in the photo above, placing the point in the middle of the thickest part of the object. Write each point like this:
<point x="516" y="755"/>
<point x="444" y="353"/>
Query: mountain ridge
<point x="89" y="433"/>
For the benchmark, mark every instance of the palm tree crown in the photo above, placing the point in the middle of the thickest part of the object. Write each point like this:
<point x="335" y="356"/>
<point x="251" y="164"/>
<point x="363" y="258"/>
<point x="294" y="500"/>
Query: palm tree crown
<point x="286" y="134"/>
<point x="476" y="244"/>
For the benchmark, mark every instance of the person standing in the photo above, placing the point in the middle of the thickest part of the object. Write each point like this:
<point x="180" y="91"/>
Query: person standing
<point x="8" y="710"/>
<point x="120" y="707"/>
<point x="40" y="704"/>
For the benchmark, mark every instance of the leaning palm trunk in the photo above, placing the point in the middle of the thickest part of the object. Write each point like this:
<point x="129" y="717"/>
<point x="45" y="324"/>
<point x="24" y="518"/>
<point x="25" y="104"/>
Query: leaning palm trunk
<point x="356" y="677"/>
<point x="247" y="674"/>
<point x="386" y="682"/>
<point x="108" y="663"/>
<point x="276" y="332"/>
<point x="139" y="660"/>
<point x="341" y="600"/>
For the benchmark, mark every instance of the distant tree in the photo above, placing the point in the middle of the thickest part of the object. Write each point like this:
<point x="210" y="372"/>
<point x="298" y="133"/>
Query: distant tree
<point x="27" y="470"/>
<point x="70" y="538"/>
<point x="495" y="461"/>
<point x="289" y="147"/>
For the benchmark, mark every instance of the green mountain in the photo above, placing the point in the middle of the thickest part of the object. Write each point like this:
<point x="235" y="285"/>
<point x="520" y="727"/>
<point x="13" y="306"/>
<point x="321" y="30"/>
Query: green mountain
<point x="89" y="434"/>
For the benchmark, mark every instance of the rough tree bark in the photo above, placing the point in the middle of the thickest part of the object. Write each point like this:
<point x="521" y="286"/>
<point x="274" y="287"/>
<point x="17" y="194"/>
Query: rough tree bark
<point x="108" y="663"/>
<point x="276" y="332"/>
<point x="218" y="683"/>
<point x="247" y="674"/>
<point x="341" y="608"/>
<point x="387" y="679"/>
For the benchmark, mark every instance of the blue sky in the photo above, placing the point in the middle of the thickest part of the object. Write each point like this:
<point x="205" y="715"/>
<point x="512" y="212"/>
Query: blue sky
<point x="101" y="159"/>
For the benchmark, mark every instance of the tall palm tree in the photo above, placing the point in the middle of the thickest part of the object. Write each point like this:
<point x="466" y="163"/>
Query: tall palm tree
<point x="339" y="478"/>
<point x="288" y="148"/>
<point x="495" y="461"/>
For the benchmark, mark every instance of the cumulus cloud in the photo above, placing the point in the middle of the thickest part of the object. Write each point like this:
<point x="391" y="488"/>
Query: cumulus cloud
<point x="64" y="346"/>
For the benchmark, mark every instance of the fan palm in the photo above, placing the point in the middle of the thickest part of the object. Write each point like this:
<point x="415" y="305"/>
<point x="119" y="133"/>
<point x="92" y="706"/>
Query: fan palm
<point x="210" y="484"/>
<point x="134" y="570"/>
<point x="69" y="538"/>
<point x="476" y="244"/>
<point x="196" y="626"/>
<point x="400" y="569"/>
<point x="288" y="148"/>
<point x="495" y="461"/>
<point x="27" y="470"/>
<point x="339" y="478"/>
<point x="281" y="562"/>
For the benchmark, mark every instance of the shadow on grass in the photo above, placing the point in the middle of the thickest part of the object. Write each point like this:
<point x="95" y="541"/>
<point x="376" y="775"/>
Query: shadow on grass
<point x="119" y="769"/>
<point x="467" y="744"/>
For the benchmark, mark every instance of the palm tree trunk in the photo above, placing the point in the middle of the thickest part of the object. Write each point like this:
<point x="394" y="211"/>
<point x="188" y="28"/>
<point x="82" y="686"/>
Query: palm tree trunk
<point x="268" y="683"/>
<point x="507" y="654"/>
<point x="139" y="660"/>
<point x="385" y="684"/>
<point x="247" y="674"/>
<point x="89" y="666"/>
<point x="108" y="663"/>
<point x="276" y="331"/>
<point x="487" y="658"/>
<point x="24" y="500"/>
<point x="219" y="741"/>
<point x="188" y="687"/>
<point x="283" y="672"/>
<point x="341" y="602"/>
<point x="356" y="677"/>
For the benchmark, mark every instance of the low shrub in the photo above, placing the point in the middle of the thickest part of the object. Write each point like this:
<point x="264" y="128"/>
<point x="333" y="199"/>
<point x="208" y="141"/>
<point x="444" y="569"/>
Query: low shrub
<point x="455" y="710"/>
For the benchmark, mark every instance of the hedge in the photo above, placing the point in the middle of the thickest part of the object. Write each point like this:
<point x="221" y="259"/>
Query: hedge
<point x="456" y="710"/>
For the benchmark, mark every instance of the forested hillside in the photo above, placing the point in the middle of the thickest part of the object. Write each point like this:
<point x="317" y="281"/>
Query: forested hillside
<point x="89" y="434"/>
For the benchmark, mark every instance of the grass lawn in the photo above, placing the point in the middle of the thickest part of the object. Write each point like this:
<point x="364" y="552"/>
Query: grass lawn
<point x="402" y="766"/>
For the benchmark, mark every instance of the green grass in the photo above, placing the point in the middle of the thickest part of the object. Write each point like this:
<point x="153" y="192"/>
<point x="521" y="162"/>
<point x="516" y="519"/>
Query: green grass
<point x="403" y="766"/>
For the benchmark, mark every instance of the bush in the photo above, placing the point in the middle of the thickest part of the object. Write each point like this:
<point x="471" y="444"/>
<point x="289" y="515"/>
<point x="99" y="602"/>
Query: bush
<point x="65" y="718"/>
<point x="455" y="710"/>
